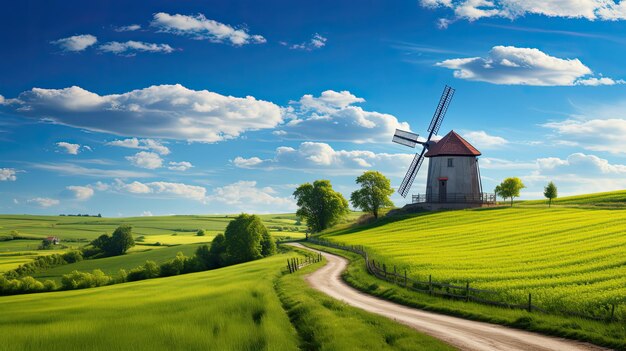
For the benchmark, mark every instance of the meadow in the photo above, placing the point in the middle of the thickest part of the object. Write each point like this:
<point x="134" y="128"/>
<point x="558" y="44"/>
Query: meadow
<point x="250" y="306"/>
<point x="569" y="258"/>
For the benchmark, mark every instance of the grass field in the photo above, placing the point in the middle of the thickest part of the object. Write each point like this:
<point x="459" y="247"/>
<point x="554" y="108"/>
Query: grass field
<point x="569" y="258"/>
<point x="166" y="230"/>
<point x="233" y="308"/>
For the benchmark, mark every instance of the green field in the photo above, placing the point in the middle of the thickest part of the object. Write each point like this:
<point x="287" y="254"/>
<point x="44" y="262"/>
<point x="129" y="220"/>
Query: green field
<point x="232" y="308"/>
<point x="568" y="258"/>
<point x="166" y="230"/>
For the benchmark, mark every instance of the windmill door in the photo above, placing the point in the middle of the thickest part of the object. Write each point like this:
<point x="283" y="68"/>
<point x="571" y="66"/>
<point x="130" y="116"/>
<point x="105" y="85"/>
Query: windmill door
<point x="443" y="189"/>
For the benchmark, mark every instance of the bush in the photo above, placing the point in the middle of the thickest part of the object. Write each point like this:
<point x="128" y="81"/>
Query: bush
<point x="82" y="280"/>
<point x="73" y="256"/>
<point x="201" y="232"/>
<point x="243" y="239"/>
<point x="268" y="246"/>
<point x="149" y="270"/>
<point x="175" y="266"/>
<point x="122" y="276"/>
<point x="116" y="244"/>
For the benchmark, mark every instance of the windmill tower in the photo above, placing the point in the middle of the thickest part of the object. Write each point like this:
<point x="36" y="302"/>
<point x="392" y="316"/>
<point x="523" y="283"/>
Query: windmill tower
<point x="453" y="173"/>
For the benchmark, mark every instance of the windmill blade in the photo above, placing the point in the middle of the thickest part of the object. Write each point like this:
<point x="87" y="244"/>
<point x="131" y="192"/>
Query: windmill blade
<point x="440" y="112"/>
<point x="411" y="173"/>
<point x="405" y="138"/>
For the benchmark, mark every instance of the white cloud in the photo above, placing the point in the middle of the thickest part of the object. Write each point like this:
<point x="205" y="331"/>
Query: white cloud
<point x="44" y="201"/>
<point x="199" y="27"/>
<point x="180" y="166"/>
<point x="246" y="196"/>
<point x="316" y="42"/>
<point x="131" y="47"/>
<point x="146" y="214"/>
<point x="76" y="43"/>
<point x="595" y="134"/>
<point x="176" y="190"/>
<point x="100" y="186"/>
<point x="609" y="10"/>
<point x="481" y="140"/>
<point x="129" y="28"/>
<point x="142" y="144"/>
<point x="144" y="159"/>
<point x="173" y="112"/>
<point x="16" y="201"/>
<point x="7" y="174"/>
<point x="69" y="148"/>
<point x="312" y="156"/>
<point x="524" y="66"/>
<point x="72" y="169"/>
<point x="80" y="193"/>
<point x="332" y="117"/>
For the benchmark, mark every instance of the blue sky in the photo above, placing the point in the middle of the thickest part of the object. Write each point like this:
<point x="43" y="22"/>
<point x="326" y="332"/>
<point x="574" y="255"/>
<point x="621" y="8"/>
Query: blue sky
<point x="221" y="107"/>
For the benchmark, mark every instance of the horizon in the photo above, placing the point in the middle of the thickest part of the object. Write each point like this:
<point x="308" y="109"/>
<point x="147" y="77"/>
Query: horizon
<point x="225" y="108"/>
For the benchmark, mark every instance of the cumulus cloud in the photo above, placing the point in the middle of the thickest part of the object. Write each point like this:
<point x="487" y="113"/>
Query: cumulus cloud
<point x="44" y="202"/>
<point x="246" y="196"/>
<point x="199" y="27"/>
<point x="173" y="112"/>
<point x="7" y="174"/>
<point x="146" y="214"/>
<point x="312" y="156"/>
<point x="175" y="190"/>
<point x="76" y="43"/>
<point x="482" y="140"/>
<point x="80" y="193"/>
<point x="594" y="134"/>
<point x="69" y="148"/>
<point x="332" y="117"/>
<point x="131" y="47"/>
<point x="142" y="144"/>
<point x="607" y="10"/>
<point x="129" y="28"/>
<point x="316" y="42"/>
<point x="144" y="159"/>
<point x="510" y="65"/>
<point x="180" y="166"/>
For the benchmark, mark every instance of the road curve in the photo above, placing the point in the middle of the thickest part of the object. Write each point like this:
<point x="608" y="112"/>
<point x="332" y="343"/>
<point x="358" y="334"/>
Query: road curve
<point x="461" y="333"/>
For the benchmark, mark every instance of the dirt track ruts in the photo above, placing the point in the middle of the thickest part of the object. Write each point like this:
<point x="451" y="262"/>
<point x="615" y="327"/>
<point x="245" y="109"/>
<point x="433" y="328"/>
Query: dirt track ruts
<point x="461" y="333"/>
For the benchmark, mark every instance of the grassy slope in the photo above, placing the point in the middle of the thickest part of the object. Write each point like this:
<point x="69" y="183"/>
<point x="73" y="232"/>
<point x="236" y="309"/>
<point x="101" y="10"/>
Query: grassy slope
<point x="606" y="199"/>
<point x="234" y="308"/>
<point x="567" y="257"/>
<point x="612" y="335"/>
<point x="112" y="265"/>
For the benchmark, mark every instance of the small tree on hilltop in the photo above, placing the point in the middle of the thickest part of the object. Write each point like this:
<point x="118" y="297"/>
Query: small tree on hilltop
<point x="118" y="243"/>
<point x="510" y="188"/>
<point x="374" y="193"/>
<point x="320" y="205"/>
<point x="244" y="238"/>
<point x="550" y="192"/>
<point x="201" y="232"/>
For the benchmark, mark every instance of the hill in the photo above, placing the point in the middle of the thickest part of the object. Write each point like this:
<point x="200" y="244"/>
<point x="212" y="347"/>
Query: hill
<point x="567" y="257"/>
<point x="611" y="199"/>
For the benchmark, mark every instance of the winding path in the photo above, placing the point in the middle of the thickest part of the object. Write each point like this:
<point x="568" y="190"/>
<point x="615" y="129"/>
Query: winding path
<point x="461" y="333"/>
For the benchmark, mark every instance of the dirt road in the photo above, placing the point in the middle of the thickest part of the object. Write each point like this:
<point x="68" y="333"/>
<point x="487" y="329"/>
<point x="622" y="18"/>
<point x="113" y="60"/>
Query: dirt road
<point x="461" y="333"/>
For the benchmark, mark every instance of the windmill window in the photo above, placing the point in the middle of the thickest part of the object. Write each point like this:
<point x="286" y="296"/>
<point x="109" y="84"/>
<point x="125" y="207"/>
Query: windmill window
<point x="450" y="162"/>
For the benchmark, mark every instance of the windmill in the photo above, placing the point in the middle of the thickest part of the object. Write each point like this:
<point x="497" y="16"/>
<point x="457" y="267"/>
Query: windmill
<point x="410" y="139"/>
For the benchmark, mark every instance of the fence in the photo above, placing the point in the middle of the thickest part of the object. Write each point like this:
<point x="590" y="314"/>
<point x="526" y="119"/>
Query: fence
<point x="295" y="264"/>
<point x="480" y="198"/>
<point x="464" y="293"/>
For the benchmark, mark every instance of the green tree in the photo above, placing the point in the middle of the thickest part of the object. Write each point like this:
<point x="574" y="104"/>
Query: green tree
<point x="374" y="193"/>
<point x="201" y="232"/>
<point x="118" y="243"/>
<point x="510" y="188"/>
<point x="243" y="239"/>
<point x="550" y="192"/>
<point x="268" y="246"/>
<point x="320" y="205"/>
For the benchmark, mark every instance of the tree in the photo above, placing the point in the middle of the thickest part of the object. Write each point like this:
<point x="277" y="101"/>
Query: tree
<point x="201" y="232"/>
<point x="374" y="193"/>
<point x="268" y="246"/>
<point x="510" y="188"/>
<point x="243" y="239"/>
<point x="320" y="205"/>
<point x="550" y="192"/>
<point x="118" y="243"/>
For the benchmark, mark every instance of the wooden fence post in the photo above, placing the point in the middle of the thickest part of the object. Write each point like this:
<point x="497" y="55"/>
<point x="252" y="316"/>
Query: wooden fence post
<point x="530" y="304"/>
<point x="467" y="292"/>
<point x="430" y="284"/>
<point x="289" y="266"/>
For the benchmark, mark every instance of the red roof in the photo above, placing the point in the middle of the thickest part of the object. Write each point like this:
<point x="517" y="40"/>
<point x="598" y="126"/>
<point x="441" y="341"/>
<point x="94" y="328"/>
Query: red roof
<point x="452" y="145"/>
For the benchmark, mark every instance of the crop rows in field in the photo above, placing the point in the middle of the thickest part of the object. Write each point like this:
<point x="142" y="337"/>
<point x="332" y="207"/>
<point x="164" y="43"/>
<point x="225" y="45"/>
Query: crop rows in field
<point x="568" y="258"/>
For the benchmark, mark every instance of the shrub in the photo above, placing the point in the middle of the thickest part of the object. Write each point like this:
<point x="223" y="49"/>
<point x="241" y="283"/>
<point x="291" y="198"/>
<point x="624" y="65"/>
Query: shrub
<point x="73" y="256"/>
<point x="201" y="232"/>
<point x="116" y="244"/>
<point x="149" y="270"/>
<point x="175" y="266"/>
<point x="243" y="239"/>
<point x="122" y="276"/>
<point x="81" y="280"/>
<point x="268" y="246"/>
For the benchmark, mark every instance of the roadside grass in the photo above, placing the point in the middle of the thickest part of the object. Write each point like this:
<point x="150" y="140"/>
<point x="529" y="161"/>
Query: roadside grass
<point x="112" y="265"/>
<point x="324" y="323"/>
<point x="611" y="335"/>
<point x="233" y="308"/>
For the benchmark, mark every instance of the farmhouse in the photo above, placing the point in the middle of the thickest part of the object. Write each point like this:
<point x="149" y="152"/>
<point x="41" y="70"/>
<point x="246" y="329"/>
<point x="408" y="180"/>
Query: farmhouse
<point x="53" y="240"/>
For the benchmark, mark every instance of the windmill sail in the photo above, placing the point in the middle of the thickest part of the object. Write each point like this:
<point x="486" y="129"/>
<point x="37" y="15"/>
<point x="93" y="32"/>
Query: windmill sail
<point x="411" y="173"/>
<point x="440" y="112"/>
<point x="405" y="138"/>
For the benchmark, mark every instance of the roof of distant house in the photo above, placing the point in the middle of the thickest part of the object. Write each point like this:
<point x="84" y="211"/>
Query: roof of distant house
<point x="452" y="145"/>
